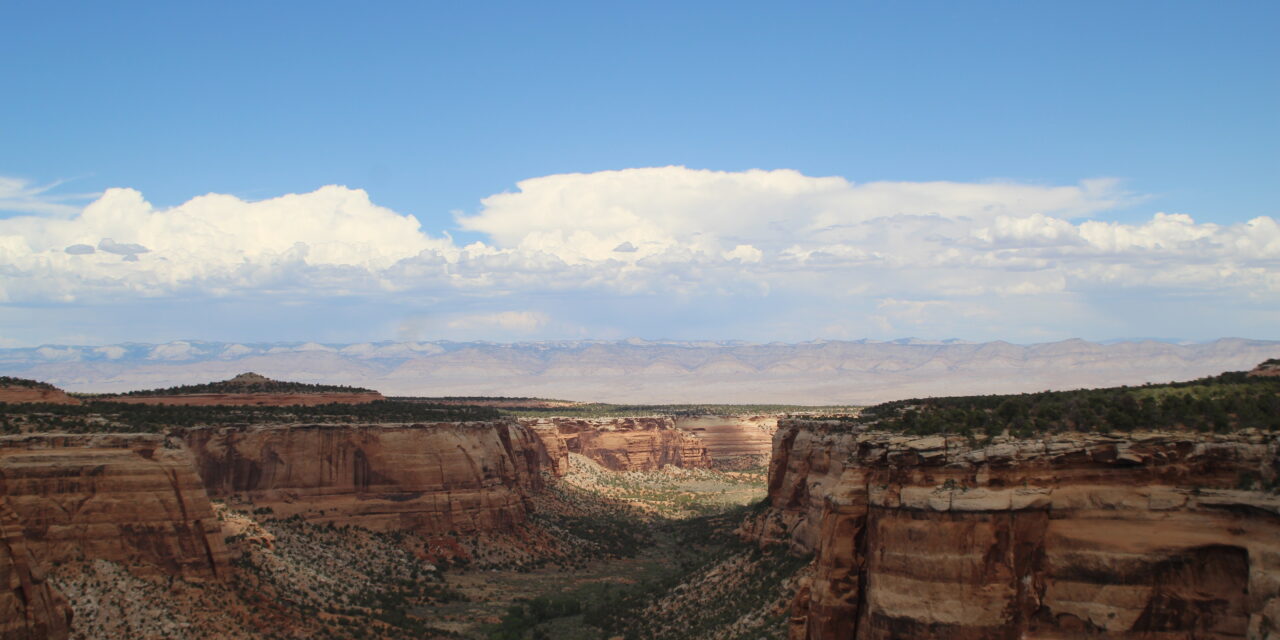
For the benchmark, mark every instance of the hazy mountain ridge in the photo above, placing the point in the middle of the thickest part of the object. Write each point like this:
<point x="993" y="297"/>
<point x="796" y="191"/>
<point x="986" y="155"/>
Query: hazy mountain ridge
<point x="648" y="371"/>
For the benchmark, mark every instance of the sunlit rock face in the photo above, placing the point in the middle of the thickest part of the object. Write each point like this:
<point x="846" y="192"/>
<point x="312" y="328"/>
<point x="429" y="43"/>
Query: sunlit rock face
<point x="127" y="498"/>
<point x="429" y="478"/>
<point x="730" y="437"/>
<point x="629" y="444"/>
<point x="1146" y="535"/>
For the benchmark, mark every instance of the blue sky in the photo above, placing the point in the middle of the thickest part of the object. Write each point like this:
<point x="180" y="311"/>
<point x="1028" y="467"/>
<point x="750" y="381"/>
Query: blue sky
<point x="430" y="108"/>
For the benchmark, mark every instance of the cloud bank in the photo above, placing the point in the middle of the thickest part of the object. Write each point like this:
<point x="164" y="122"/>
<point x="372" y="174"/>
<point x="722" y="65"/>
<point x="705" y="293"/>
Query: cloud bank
<point x="925" y="258"/>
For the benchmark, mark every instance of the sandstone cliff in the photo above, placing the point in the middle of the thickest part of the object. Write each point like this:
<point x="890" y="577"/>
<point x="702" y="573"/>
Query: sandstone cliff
<point x="29" y="608"/>
<point x="729" y="437"/>
<point x="432" y="478"/>
<point x="555" y="452"/>
<point x="1147" y="535"/>
<point x="125" y="498"/>
<point x="628" y="444"/>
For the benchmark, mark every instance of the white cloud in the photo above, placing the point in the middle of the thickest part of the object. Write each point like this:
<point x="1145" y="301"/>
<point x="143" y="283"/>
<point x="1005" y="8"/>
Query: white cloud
<point x="671" y="232"/>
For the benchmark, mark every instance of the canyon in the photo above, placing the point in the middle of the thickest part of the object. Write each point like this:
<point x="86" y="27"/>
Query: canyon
<point x="863" y="533"/>
<point x="1167" y="535"/>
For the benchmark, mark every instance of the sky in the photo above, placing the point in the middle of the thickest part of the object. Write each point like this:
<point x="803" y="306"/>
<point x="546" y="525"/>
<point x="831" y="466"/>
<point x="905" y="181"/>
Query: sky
<point x="337" y="172"/>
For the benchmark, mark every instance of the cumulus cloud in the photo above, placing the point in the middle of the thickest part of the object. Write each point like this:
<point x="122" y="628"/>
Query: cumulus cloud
<point x="929" y="252"/>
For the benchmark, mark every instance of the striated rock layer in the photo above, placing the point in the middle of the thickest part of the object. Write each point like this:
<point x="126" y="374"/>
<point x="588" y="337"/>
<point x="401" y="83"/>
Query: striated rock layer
<point x="628" y="444"/>
<point x="432" y="478"/>
<point x="1145" y="535"/>
<point x="728" y="437"/>
<point x="29" y="608"/>
<point x="126" y="498"/>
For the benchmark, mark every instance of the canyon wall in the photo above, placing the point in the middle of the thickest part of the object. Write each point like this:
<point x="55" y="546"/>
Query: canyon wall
<point x="432" y="478"/>
<point x="628" y="444"/>
<point x="1143" y="535"/>
<point x="732" y="437"/>
<point x="126" y="498"/>
<point x="29" y="608"/>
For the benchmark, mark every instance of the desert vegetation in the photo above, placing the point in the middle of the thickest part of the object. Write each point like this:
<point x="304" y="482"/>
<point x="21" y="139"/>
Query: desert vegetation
<point x="104" y="416"/>
<point x="605" y="410"/>
<point x="248" y="383"/>
<point x="23" y="383"/>
<point x="1227" y="402"/>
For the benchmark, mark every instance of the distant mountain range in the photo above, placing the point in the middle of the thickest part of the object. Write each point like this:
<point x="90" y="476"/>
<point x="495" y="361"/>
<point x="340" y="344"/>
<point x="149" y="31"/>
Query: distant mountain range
<point x="641" y="371"/>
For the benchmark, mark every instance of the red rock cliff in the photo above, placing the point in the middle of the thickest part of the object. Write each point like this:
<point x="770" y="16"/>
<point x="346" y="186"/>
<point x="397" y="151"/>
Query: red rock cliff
<point x="431" y="478"/>
<point x="125" y="498"/>
<point x="1156" y="535"/>
<point x="728" y="437"/>
<point x="29" y="608"/>
<point x="629" y="444"/>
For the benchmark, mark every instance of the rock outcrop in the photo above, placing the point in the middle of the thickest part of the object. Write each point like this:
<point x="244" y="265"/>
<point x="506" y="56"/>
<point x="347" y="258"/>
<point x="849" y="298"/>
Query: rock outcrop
<point x="29" y="608"/>
<point x="628" y="444"/>
<point x="1143" y="535"/>
<point x="730" y="437"/>
<point x="432" y="478"/>
<point x="125" y="498"/>
<point x="555" y="451"/>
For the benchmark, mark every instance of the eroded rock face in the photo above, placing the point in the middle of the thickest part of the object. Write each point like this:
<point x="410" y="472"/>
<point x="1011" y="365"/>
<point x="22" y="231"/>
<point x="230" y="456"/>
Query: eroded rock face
<point x="629" y="444"/>
<point x="30" y="609"/>
<point x="430" y="478"/>
<point x="728" y="437"/>
<point x="125" y="498"/>
<point x="1155" y="535"/>
<point x="556" y="457"/>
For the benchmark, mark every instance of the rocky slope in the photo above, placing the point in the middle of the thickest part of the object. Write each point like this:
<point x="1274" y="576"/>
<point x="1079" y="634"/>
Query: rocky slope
<point x="628" y="444"/>
<point x="432" y="478"/>
<point x="1151" y="535"/>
